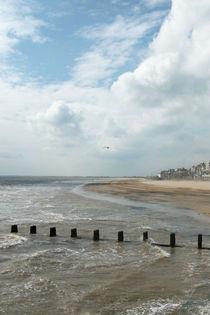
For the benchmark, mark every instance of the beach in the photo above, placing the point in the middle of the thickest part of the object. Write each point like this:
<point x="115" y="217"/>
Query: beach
<point x="188" y="194"/>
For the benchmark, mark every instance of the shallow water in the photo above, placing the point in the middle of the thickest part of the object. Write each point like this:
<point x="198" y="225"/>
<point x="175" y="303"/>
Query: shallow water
<point x="43" y="275"/>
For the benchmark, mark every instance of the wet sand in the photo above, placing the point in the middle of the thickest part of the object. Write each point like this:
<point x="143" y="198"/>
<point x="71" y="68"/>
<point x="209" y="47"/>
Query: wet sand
<point x="188" y="194"/>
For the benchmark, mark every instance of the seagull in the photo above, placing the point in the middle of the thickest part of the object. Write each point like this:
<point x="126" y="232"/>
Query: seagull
<point x="106" y="147"/>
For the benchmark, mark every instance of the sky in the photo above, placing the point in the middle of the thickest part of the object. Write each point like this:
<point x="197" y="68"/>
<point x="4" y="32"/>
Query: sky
<point x="103" y="87"/>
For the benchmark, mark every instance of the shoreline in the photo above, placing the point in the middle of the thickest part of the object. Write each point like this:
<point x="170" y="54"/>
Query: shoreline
<point x="187" y="194"/>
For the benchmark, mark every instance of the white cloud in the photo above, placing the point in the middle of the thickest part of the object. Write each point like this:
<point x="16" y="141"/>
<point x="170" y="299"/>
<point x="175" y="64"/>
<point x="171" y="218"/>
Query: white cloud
<point x="157" y="108"/>
<point x="114" y="46"/>
<point x="17" y="22"/>
<point x="153" y="117"/>
<point x="177" y="59"/>
<point x="59" y="121"/>
<point x="171" y="86"/>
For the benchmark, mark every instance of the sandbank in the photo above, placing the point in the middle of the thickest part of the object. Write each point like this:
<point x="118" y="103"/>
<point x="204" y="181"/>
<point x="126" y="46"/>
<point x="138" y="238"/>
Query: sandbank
<point x="188" y="194"/>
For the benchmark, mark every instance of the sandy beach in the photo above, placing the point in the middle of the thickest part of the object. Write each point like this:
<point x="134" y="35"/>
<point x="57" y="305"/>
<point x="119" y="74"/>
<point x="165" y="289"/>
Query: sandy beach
<point x="188" y="194"/>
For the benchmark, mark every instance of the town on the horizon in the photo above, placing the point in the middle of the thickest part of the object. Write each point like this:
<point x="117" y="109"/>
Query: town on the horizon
<point x="200" y="171"/>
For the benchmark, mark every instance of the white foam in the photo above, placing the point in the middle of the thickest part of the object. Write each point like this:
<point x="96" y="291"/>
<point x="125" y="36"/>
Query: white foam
<point x="75" y="217"/>
<point x="48" y="205"/>
<point x="57" y="217"/>
<point x="146" y="227"/>
<point x="8" y="240"/>
<point x="163" y="253"/>
<point x="154" y="308"/>
<point x="202" y="309"/>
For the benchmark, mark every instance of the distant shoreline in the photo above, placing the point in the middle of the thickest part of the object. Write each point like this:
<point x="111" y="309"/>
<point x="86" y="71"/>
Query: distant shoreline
<point x="188" y="194"/>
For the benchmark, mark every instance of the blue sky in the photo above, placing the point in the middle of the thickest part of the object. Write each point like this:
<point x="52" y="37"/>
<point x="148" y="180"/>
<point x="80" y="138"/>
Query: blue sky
<point x="65" y="29"/>
<point x="76" y="76"/>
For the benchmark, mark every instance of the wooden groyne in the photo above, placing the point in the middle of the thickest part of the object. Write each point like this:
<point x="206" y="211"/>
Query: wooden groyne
<point x="52" y="231"/>
<point x="33" y="229"/>
<point x="14" y="228"/>
<point x="96" y="235"/>
<point x="120" y="236"/>
<point x="74" y="233"/>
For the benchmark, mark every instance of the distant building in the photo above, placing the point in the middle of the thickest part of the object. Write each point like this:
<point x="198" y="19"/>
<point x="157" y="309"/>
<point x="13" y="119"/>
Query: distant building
<point x="206" y="176"/>
<point x="207" y="165"/>
<point x="200" y="171"/>
<point x="164" y="174"/>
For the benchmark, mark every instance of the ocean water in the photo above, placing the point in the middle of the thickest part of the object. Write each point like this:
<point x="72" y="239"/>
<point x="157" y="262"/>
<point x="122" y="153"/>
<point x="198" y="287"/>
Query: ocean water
<point x="60" y="275"/>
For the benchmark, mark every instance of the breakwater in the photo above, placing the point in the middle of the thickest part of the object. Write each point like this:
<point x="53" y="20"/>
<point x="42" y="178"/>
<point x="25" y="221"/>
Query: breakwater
<point x="120" y="236"/>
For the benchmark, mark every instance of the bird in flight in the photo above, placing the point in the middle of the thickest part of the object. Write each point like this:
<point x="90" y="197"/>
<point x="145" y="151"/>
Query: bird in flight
<point x="106" y="147"/>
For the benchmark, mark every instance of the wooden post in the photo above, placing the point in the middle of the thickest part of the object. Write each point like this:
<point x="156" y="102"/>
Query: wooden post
<point x="145" y="236"/>
<point x="52" y="231"/>
<point x="33" y="229"/>
<point x="14" y="228"/>
<point x="96" y="235"/>
<point x="199" y="241"/>
<point x="172" y="240"/>
<point x="73" y="232"/>
<point x="120" y="236"/>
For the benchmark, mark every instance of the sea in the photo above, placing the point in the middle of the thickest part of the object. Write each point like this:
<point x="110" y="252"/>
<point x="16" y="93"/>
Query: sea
<point x="62" y="275"/>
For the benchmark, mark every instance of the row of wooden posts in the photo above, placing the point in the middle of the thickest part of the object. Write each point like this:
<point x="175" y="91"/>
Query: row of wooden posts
<point x="33" y="230"/>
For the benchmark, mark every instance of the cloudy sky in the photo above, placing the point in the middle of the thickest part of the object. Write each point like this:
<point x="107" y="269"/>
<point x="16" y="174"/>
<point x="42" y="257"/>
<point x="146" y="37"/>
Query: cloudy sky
<point x="77" y="76"/>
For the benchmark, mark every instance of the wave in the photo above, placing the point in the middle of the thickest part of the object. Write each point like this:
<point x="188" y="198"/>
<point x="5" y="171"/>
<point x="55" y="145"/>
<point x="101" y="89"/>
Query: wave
<point x="159" y="250"/>
<point x="46" y="254"/>
<point x="199" y="303"/>
<point x="9" y="240"/>
<point x="57" y="217"/>
<point x="153" y="307"/>
<point x="202" y="309"/>
<point x="163" y="253"/>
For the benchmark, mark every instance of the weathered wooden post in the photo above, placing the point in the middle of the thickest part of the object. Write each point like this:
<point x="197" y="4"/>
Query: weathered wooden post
<point x="199" y="241"/>
<point x="52" y="231"/>
<point x="172" y="240"/>
<point x="120" y="236"/>
<point x="33" y="229"/>
<point x="14" y="228"/>
<point x="73" y="232"/>
<point x="96" y="235"/>
<point x="145" y="236"/>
